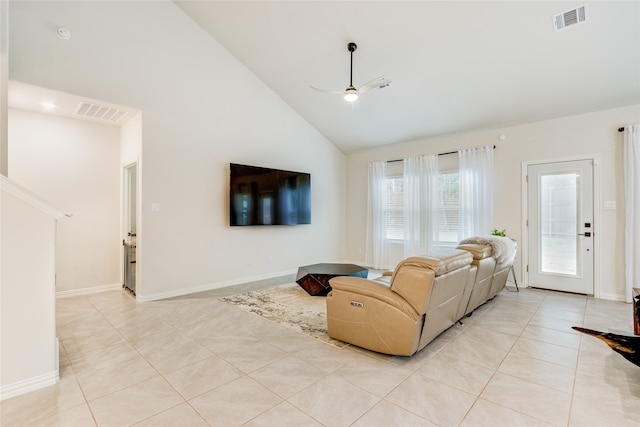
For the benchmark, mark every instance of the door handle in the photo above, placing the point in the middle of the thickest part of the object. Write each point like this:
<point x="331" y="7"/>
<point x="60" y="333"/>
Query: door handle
<point x="586" y="234"/>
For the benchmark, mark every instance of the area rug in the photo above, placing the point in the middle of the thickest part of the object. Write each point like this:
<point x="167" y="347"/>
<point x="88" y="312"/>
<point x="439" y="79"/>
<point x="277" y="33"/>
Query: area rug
<point x="288" y="305"/>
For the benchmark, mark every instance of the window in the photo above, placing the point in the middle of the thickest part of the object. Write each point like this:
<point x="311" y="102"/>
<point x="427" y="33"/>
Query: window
<point x="394" y="213"/>
<point x="449" y="208"/>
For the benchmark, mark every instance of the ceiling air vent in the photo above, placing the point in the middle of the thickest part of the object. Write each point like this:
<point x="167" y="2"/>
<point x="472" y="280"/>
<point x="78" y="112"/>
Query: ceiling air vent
<point x="87" y="109"/>
<point x="570" y="17"/>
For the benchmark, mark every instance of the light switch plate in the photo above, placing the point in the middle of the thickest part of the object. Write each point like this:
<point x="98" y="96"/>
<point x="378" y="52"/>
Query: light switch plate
<point x="610" y="205"/>
<point x="155" y="207"/>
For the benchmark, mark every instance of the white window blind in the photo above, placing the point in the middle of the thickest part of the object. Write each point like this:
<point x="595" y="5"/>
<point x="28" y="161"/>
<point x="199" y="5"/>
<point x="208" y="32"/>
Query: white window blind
<point x="394" y="214"/>
<point x="449" y="207"/>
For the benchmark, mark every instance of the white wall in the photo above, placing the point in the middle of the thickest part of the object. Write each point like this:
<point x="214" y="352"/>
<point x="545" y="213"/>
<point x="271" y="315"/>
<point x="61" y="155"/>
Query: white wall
<point x="201" y="109"/>
<point x="4" y="79"/>
<point x="75" y="165"/>
<point x="131" y="140"/>
<point x="28" y="346"/>
<point x="585" y="135"/>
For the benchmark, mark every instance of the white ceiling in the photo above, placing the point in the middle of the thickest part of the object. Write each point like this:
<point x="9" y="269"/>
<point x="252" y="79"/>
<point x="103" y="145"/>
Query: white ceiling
<point x="24" y="96"/>
<point x="454" y="66"/>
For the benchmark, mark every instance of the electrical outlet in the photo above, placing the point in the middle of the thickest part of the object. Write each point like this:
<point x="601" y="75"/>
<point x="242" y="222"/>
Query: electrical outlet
<point x="155" y="207"/>
<point x="610" y="205"/>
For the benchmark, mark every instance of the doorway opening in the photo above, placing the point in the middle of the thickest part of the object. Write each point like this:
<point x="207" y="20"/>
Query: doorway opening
<point x="130" y="226"/>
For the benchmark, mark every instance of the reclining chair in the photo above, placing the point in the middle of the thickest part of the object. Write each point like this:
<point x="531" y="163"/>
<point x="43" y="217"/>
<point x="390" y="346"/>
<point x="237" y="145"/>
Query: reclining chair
<point x="493" y="256"/>
<point x="401" y="313"/>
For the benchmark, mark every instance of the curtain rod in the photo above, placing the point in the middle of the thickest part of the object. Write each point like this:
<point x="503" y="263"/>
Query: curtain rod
<point x="439" y="154"/>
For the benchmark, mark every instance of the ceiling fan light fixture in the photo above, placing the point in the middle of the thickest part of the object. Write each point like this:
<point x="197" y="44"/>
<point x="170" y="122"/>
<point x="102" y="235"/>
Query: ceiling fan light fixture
<point x="351" y="94"/>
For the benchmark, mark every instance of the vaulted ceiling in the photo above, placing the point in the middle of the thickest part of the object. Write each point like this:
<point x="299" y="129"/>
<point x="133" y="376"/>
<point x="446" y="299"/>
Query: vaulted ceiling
<point x="454" y="66"/>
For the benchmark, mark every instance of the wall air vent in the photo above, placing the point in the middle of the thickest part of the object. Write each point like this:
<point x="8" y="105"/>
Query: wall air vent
<point x="570" y="17"/>
<point x="87" y="109"/>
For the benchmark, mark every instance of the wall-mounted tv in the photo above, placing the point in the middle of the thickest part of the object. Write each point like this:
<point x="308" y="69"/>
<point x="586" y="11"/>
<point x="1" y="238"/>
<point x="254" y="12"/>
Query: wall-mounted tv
<point x="263" y="196"/>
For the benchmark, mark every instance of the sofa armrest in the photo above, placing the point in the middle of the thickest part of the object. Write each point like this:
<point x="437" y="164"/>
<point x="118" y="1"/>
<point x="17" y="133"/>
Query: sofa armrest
<point x="372" y="289"/>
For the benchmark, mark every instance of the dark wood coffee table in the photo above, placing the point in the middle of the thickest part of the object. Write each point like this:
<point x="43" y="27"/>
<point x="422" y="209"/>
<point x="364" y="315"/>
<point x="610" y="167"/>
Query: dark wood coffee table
<point x="315" y="278"/>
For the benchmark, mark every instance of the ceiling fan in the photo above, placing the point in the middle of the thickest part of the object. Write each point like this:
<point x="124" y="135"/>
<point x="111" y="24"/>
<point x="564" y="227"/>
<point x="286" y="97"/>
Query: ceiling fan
<point x="351" y="94"/>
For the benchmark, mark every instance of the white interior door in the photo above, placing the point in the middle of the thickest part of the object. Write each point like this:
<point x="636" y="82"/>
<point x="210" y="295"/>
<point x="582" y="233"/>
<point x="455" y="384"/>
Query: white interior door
<point x="561" y="229"/>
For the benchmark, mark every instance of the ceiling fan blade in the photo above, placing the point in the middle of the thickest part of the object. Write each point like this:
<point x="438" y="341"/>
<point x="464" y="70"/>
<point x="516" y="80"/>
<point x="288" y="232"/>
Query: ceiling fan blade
<point x="373" y="81"/>
<point x="326" y="91"/>
<point x="377" y="83"/>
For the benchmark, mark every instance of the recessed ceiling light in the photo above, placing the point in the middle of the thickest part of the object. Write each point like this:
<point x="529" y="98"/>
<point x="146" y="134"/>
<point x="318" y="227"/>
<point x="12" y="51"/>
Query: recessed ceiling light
<point x="48" y="105"/>
<point x="64" y="33"/>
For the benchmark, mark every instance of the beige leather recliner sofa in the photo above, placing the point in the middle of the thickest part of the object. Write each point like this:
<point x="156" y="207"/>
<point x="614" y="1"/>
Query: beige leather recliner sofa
<point x="400" y="314"/>
<point x="493" y="256"/>
<point x="485" y="265"/>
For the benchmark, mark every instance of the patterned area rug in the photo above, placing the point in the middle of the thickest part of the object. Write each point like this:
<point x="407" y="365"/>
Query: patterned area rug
<point x="288" y="305"/>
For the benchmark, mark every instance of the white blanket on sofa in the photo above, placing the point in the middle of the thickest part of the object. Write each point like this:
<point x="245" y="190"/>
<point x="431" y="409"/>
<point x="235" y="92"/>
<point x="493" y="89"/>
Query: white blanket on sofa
<point x="504" y="249"/>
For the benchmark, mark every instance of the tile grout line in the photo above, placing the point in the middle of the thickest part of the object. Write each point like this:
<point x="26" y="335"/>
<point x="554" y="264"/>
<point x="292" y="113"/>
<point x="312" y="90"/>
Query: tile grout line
<point x="478" y="397"/>
<point x="88" y="403"/>
<point x="575" y="370"/>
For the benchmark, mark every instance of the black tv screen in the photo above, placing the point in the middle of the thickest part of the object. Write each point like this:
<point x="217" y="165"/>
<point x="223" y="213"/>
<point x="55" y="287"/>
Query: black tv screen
<point x="263" y="196"/>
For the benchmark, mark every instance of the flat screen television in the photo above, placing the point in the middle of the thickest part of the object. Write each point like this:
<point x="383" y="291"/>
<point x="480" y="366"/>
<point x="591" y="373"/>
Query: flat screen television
<point x="263" y="196"/>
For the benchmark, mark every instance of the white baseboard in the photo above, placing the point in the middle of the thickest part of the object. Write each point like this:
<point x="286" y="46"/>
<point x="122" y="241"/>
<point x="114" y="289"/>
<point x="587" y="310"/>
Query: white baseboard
<point x="29" y="384"/>
<point x="612" y="297"/>
<point x="88" y="291"/>
<point x="210" y="286"/>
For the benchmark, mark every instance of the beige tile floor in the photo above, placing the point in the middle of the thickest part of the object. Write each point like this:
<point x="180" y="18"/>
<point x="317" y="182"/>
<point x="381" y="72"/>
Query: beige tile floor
<point x="196" y="361"/>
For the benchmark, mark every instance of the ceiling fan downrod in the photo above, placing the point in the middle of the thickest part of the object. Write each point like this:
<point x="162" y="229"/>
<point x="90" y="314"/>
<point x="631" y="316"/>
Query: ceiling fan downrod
<point x="351" y="93"/>
<point x="352" y="48"/>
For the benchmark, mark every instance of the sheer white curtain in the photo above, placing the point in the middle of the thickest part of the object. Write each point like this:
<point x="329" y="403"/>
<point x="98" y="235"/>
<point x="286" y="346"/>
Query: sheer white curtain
<point x="632" y="208"/>
<point x="476" y="191"/>
<point x="420" y="204"/>
<point x="376" y="250"/>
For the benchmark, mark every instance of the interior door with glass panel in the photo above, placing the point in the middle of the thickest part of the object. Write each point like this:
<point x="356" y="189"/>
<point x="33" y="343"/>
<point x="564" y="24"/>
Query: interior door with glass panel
<point x="561" y="229"/>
